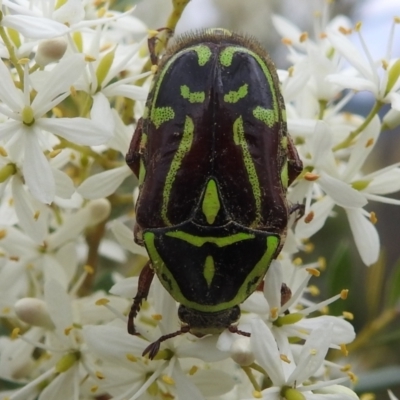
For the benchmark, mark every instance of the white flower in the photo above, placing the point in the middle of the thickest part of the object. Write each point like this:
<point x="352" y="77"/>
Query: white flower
<point x="288" y="377"/>
<point x="27" y="131"/>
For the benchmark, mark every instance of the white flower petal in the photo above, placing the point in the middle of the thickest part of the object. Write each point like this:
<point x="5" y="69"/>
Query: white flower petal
<point x="133" y="92"/>
<point x="59" y="305"/>
<point x="103" y="184"/>
<point x="34" y="27"/>
<point x="352" y="82"/>
<point x="212" y="382"/>
<point x="387" y="182"/>
<point x="9" y="94"/>
<point x="64" y="185"/>
<point x="272" y="285"/>
<point x="321" y="210"/>
<point x="266" y="351"/>
<point x="394" y="98"/>
<point x="32" y="215"/>
<point x="77" y="130"/>
<point x="119" y="342"/>
<point x="365" y="236"/>
<point x="58" y="82"/>
<point x="341" y="192"/>
<point x="124" y="235"/>
<point x="37" y="172"/>
<point x="126" y="287"/>
<point x="312" y="354"/>
<point x="101" y="112"/>
<point x="185" y="388"/>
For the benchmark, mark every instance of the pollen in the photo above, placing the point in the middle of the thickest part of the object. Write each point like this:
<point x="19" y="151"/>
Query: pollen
<point x="303" y="37"/>
<point x="15" y="333"/>
<point x="68" y="330"/>
<point x="309" y="176"/>
<point x="54" y="153"/>
<point x="287" y="41"/>
<point x="348" y="315"/>
<point x="314" y="290"/>
<point x="369" y="143"/>
<point x="352" y="376"/>
<point x="344" y="293"/>
<point x="193" y="370"/>
<point x="168" y="380"/>
<point x="309" y="217"/>
<point x="373" y="218"/>
<point x="131" y="357"/>
<point x="94" y="388"/>
<point x="344" y="350"/>
<point x="157" y="317"/>
<point x="257" y="394"/>
<point x="102" y="302"/>
<point x="3" y="233"/>
<point x="313" y="271"/>
<point x="3" y="152"/>
<point x="88" y="269"/>
<point x="99" y="375"/>
<point x="36" y="215"/>
<point x="284" y="358"/>
<point x="345" y="31"/>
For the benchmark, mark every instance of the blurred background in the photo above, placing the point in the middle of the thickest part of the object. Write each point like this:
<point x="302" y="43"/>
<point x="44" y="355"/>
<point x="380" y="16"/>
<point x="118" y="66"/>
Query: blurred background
<point x="374" y="291"/>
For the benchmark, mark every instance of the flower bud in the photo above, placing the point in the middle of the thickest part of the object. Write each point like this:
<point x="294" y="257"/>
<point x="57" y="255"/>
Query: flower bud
<point x="99" y="210"/>
<point x="50" y="51"/>
<point x="33" y="312"/>
<point x="241" y="352"/>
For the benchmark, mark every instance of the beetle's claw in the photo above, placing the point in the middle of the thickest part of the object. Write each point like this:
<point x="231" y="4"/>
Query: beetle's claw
<point x="152" y="349"/>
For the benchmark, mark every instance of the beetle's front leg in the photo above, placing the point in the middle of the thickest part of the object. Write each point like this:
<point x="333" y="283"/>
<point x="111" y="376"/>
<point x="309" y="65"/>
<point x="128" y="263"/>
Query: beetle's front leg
<point x="300" y="208"/>
<point x="145" y="279"/>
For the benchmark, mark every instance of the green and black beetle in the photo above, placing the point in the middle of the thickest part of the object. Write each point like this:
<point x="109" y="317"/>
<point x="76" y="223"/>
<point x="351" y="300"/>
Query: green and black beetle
<point x="214" y="161"/>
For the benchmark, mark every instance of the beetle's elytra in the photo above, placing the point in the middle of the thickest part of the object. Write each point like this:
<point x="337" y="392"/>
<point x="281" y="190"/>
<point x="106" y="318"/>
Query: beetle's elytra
<point x="214" y="160"/>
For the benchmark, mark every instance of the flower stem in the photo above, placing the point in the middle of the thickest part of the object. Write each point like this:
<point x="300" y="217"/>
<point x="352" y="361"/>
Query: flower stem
<point x="249" y="373"/>
<point x="352" y="135"/>
<point x="13" y="57"/>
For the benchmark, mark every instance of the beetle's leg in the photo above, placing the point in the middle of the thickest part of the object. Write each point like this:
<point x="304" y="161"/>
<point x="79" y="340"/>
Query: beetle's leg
<point x="297" y="207"/>
<point x="152" y="44"/>
<point x="154" y="347"/>
<point x="132" y="158"/>
<point x="145" y="278"/>
<point x="234" y="329"/>
<point x="295" y="165"/>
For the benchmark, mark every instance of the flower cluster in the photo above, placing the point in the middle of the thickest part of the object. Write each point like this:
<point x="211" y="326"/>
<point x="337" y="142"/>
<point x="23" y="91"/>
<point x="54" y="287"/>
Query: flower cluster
<point x="74" y="77"/>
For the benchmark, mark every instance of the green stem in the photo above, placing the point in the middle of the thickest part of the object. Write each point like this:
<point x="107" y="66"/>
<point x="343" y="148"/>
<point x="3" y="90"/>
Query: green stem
<point x="322" y="108"/>
<point x="352" y="135"/>
<point x="249" y="373"/>
<point x="13" y="57"/>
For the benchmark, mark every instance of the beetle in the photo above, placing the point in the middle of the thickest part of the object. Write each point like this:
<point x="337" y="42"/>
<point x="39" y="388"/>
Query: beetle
<point x="214" y="160"/>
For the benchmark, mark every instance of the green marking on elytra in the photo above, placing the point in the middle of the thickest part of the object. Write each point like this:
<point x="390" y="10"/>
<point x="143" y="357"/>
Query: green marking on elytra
<point x="269" y="117"/>
<point x="284" y="142"/>
<point x="159" y="115"/>
<point x="225" y="58"/>
<point x="183" y="148"/>
<point x="234" y="96"/>
<point x="250" y="283"/>
<point x="209" y="270"/>
<point x="240" y="140"/>
<point x="142" y="172"/>
<point x="285" y="175"/>
<point x="284" y="117"/>
<point x="199" y="241"/>
<point x="211" y="203"/>
<point x="193" y="97"/>
<point x="203" y="54"/>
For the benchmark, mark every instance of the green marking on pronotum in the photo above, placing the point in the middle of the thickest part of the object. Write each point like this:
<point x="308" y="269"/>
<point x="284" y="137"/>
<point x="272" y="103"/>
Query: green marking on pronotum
<point x="251" y="281"/>
<point x="209" y="270"/>
<point x="193" y="97"/>
<point x="235" y="95"/>
<point x="226" y="55"/>
<point x="184" y="147"/>
<point x="240" y="140"/>
<point x="211" y="203"/>
<point x="199" y="241"/>
<point x="203" y="54"/>
<point x="160" y="115"/>
<point x="269" y="117"/>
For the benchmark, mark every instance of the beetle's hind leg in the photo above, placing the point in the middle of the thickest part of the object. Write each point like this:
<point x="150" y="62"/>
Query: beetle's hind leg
<point x="299" y="208"/>
<point x="145" y="278"/>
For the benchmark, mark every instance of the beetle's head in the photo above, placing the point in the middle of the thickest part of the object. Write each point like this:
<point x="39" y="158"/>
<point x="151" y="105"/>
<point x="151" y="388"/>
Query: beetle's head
<point x="204" y="323"/>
